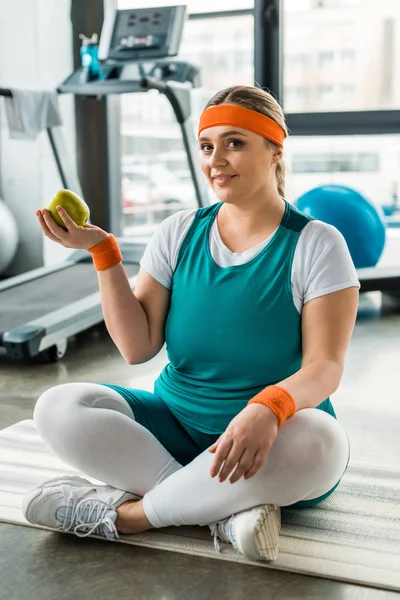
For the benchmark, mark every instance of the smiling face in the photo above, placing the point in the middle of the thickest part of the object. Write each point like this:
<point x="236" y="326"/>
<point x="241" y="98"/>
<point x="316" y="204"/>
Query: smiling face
<point x="237" y="163"/>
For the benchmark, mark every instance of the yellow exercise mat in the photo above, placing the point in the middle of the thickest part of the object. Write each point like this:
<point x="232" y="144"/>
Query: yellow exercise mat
<point x="352" y="536"/>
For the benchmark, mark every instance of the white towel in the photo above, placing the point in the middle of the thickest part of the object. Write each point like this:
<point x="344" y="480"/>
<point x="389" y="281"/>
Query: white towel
<point x="30" y="111"/>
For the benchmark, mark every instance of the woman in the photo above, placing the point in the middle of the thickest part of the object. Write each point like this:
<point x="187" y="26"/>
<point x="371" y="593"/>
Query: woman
<point x="257" y="303"/>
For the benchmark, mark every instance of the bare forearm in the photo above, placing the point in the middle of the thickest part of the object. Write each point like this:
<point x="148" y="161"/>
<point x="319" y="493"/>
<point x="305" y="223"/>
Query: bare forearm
<point x="313" y="383"/>
<point x="124" y="316"/>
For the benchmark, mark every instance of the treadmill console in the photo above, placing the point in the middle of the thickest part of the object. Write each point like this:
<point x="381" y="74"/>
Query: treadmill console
<point x="135" y="49"/>
<point x="142" y="33"/>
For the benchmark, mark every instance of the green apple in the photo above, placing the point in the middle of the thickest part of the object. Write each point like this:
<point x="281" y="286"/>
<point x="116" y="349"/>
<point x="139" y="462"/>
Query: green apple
<point x="77" y="208"/>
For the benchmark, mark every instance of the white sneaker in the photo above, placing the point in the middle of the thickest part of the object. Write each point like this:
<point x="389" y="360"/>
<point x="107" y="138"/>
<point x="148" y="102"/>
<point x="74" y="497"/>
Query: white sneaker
<point x="71" y="503"/>
<point x="253" y="532"/>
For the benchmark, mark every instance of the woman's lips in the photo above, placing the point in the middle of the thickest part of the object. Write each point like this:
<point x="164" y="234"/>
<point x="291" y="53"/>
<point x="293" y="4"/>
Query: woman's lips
<point x="224" y="180"/>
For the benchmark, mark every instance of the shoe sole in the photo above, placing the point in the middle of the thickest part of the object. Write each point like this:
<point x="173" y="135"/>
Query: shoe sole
<point x="34" y="493"/>
<point x="268" y="526"/>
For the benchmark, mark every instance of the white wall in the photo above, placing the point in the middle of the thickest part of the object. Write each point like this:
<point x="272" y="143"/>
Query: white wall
<point x="35" y="53"/>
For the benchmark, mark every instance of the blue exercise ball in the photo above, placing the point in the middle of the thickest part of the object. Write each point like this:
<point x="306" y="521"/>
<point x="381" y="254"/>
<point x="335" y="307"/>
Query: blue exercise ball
<point x="357" y="219"/>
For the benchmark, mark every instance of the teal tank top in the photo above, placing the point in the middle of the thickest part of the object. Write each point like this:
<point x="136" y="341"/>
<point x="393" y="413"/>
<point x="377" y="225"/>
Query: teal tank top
<point x="230" y="331"/>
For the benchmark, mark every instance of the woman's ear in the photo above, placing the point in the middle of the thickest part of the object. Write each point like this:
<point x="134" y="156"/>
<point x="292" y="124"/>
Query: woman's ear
<point x="277" y="155"/>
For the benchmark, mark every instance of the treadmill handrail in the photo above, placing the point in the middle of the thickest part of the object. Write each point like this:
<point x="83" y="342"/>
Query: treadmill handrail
<point x="16" y="280"/>
<point x="7" y="92"/>
<point x="153" y="84"/>
<point x="68" y="314"/>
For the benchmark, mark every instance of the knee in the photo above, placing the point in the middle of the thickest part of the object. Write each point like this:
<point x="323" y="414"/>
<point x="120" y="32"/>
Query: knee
<point x="323" y="437"/>
<point x="53" y="411"/>
<point x="44" y="407"/>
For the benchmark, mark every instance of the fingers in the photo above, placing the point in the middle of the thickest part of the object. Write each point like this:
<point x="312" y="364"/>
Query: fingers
<point x="232" y="458"/>
<point x="259" y="460"/>
<point x="246" y="461"/>
<point x="44" y="224"/>
<point x="224" y="446"/>
<point x="213" y="448"/>
<point x="55" y="229"/>
<point x="69" y="223"/>
<point x="240" y="458"/>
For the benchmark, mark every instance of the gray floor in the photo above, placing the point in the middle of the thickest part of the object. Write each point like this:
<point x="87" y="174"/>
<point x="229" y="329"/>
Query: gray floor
<point x="37" y="565"/>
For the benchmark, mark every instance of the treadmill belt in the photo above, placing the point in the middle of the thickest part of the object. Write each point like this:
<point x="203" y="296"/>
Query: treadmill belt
<point x="41" y="296"/>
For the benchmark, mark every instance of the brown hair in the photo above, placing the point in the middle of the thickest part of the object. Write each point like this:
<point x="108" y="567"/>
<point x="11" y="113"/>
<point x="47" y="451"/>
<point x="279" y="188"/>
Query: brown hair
<point x="262" y="102"/>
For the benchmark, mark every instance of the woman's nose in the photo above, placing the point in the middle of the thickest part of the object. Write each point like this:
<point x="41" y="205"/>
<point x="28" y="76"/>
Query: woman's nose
<point x="216" y="159"/>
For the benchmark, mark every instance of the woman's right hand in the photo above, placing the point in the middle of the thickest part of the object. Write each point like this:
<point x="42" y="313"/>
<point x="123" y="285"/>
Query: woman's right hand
<point x="75" y="236"/>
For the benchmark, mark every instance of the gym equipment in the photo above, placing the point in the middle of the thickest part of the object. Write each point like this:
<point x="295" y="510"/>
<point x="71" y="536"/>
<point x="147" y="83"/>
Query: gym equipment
<point x="392" y="211"/>
<point x="391" y="215"/>
<point x="41" y="309"/>
<point x="8" y="236"/>
<point x="353" y="215"/>
<point x="372" y="278"/>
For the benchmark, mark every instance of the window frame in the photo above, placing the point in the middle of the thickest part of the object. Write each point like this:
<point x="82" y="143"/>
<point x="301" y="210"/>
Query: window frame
<point x="268" y="69"/>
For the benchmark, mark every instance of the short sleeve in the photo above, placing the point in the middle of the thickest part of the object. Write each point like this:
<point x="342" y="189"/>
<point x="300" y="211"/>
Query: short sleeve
<point x="159" y="258"/>
<point x="322" y="263"/>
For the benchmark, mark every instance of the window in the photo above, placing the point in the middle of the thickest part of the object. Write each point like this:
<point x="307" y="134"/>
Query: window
<point x="335" y="163"/>
<point x="325" y="59"/>
<point x="348" y="55"/>
<point x="370" y="164"/>
<point x="348" y="89"/>
<point x="227" y="39"/>
<point x="298" y="61"/>
<point x="351" y="42"/>
<point x="325" y="92"/>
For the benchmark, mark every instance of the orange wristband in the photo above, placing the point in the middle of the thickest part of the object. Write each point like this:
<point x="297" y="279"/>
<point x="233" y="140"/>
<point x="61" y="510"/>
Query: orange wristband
<point x="106" y="254"/>
<point x="278" y="400"/>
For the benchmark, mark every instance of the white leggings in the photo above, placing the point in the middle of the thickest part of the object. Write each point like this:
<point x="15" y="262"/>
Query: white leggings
<point x="92" y="428"/>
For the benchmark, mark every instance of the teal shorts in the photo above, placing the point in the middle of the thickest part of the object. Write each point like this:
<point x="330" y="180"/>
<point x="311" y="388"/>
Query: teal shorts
<point x="182" y="442"/>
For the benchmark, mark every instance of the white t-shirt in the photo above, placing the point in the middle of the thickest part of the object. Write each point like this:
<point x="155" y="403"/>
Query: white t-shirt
<point x="321" y="263"/>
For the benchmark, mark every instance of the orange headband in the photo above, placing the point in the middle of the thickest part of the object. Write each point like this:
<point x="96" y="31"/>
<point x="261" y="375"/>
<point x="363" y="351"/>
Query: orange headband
<point x="238" y="116"/>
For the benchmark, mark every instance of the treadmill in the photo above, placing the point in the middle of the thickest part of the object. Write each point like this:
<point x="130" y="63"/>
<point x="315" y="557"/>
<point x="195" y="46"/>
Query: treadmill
<point x="41" y="309"/>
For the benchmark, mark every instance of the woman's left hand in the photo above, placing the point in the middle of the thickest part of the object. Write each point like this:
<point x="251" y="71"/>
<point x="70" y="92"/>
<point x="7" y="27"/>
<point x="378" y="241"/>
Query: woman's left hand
<point x="245" y="444"/>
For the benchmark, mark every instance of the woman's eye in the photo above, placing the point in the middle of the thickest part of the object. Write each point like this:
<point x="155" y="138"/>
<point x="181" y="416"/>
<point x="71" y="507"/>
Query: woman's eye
<point x="237" y="143"/>
<point x="230" y="144"/>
